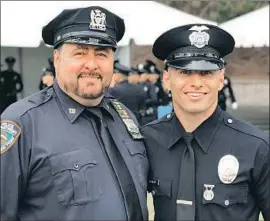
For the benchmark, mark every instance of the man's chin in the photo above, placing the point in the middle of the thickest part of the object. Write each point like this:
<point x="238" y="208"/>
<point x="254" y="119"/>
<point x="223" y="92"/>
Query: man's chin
<point x="92" y="94"/>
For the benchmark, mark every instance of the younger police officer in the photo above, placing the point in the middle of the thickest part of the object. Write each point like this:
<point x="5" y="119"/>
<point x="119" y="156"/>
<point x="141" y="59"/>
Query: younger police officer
<point x="70" y="152"/>
<point x="205" y="164"/>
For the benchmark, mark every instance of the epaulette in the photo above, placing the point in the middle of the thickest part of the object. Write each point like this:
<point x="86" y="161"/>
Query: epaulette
<point x="42" y="96"/>
<point x="245" y="127"/>
<point x="165" y="118"/>
<point x="20" y="107"/>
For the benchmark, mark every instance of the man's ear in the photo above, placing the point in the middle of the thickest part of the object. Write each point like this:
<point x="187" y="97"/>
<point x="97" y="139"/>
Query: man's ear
<point x="56" y="57"/>
<point x="221" y="79"/>
<point x="166" y="79"/>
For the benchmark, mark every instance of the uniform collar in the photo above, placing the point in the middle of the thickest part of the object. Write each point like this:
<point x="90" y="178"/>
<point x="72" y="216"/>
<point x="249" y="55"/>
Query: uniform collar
<point x="104" y="108"/>
<point x="73" y="109"/>
<point x="203" y="134"/>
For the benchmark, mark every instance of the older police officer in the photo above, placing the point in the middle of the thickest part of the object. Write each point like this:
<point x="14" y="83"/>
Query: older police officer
<point x="70" y="152"/>
<point x="205" y="163"/>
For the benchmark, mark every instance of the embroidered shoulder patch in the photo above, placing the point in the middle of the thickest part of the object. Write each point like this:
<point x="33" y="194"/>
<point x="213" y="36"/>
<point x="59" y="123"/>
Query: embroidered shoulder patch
<point x="10" y="132"/>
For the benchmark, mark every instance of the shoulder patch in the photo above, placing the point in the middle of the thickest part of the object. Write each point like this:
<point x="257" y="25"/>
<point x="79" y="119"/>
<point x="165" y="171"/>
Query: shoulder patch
<point x="10" y="132"/>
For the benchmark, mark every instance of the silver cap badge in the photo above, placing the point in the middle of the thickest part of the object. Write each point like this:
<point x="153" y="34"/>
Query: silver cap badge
<point x="198" y="38"/>
<point x="228" y="167"/>
<point x="98" y="20"/>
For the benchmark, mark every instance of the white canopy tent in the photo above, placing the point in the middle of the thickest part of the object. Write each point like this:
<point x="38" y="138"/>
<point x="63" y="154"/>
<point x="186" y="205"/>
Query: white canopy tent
<point x="22" y="21"/>
<point x="251" y="29"/>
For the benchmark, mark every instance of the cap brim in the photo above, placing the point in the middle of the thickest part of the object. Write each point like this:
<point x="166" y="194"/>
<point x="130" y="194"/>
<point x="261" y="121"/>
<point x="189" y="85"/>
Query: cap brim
<point x="196" y="65"/>
<point x="122" y="68"/>
<point x="81" y="41"/>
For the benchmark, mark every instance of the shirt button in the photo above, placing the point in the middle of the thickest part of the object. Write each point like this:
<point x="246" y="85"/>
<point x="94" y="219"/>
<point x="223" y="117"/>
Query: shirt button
<point x="227" y="202"/>
<point x="230" y="121"/>
<point x="76" y="166"/>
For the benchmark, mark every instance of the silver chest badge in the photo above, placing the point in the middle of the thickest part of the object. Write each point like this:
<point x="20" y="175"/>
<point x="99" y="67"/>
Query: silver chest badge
<point x="199" y="38"/>
<point x="98" y="20"/>
<point x="208" y="193"/>
<point x="228" y="167"/>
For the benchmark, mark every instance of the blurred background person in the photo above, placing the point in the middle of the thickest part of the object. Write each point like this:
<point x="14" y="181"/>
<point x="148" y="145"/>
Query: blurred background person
<point x="155" y="77"/>
<point x="148" y="111"/>
<point x="227" y="92"/>
<point x="11" y="84"/>
<point x="48" y="75"/>
<point x="126" y="89"/>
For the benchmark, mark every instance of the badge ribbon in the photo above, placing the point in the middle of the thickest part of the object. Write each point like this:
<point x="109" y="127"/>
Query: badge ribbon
<point x="129" y="123"/>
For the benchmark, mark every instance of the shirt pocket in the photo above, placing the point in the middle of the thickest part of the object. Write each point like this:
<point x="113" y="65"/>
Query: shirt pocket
<point x="163" y="188"/>
<point x="137" y="152"/>
<point x="76" y="177"/>
<point x="227" y="195"/>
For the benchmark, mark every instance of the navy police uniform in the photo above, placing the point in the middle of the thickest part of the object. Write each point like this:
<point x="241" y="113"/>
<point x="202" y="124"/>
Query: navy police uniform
<point x="220" y="171"/>
<point x="11" y="84"/>
<point x="64" y="161"/>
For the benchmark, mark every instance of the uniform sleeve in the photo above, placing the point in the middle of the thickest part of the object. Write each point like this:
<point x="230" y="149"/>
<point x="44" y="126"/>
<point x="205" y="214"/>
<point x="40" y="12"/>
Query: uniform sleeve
<point x="14" y="164"/>
<point x="151" y="150"/>
<point x="261" y="180"/>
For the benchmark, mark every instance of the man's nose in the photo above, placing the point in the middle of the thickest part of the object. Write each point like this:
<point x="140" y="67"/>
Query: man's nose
<point x="196" y="80"/>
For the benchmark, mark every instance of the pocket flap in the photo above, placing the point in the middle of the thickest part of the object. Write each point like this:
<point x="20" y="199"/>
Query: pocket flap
<point x="228" y="194"/>
<point x="164" y="188"/>
<point x="72" y="160"/>
<point x="135" y="147"/>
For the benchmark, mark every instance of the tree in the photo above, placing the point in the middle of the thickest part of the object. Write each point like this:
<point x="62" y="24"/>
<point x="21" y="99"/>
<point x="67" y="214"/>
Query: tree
<point x="216" y="10"/>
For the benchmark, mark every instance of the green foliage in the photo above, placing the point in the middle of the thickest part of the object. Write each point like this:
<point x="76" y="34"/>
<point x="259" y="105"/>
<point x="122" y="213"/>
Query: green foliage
<point x="216" y="10"/>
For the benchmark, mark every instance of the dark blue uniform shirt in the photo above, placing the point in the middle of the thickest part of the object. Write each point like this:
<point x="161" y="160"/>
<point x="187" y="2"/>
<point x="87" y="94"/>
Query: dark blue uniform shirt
<point x="218" y="136"/>
<point x="56" y="170"/>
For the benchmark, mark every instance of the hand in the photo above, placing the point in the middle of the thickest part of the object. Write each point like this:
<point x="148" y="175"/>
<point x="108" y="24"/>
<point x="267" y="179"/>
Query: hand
<point x="234" y="105"/>
<point x="48" y="80"/>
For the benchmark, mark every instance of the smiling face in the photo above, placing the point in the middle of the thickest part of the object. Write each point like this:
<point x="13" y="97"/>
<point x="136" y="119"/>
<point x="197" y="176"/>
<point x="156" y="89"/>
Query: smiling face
<point x="84" y="71"/>
<point x="194" y="92"/>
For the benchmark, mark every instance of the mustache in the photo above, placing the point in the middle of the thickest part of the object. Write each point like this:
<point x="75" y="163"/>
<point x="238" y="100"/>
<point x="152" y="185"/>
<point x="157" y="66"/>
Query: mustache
<point x="91" y="74"/>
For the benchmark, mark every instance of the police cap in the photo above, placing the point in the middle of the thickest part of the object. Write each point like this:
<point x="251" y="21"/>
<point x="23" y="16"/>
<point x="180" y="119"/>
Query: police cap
<point x="141" y="69"/>
<point x="10" y="60"/>
<point x="119" y="68"/>
<point x="151" y="67"/>
<point x="194" y="47"/>
<point x="92" y="25"/>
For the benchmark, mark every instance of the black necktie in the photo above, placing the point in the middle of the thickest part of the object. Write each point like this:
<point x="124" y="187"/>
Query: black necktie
<point x="127" y="188"/>
<point x="186" y="190"/>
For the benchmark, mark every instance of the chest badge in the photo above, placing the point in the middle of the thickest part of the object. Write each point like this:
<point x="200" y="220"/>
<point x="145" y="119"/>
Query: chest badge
<point x="228" y="167"/>
<point x="208" y="193"/>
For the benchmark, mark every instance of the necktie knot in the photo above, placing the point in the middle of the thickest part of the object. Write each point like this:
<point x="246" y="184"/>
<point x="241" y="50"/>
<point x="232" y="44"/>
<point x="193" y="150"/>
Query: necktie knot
<point x="188" y="137"/>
